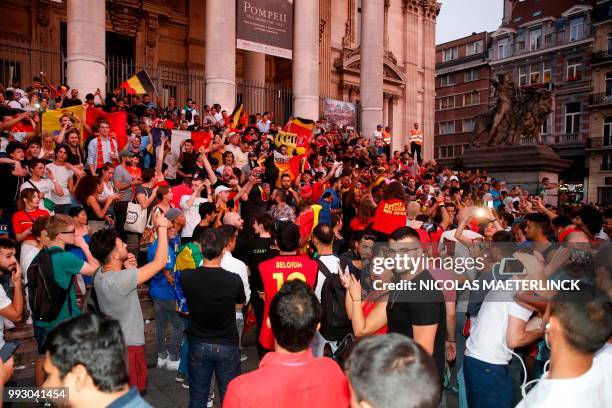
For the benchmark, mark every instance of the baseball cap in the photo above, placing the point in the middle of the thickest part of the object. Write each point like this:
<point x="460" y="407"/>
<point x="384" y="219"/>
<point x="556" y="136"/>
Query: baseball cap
<point x="173" y="213"/>
<point x="219" y="189"/>
<point x="306" y="192"/>
<point x="453" y="177"/>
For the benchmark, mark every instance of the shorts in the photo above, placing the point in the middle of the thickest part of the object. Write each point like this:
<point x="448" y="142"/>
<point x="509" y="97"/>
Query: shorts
<point x="40" y="335"/>
<point x="137" y="365"/>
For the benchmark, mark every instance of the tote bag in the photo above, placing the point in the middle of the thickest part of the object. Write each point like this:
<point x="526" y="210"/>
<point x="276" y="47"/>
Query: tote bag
<point x="135" y="217"/>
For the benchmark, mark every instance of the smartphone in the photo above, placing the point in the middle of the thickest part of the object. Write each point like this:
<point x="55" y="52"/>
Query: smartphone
<point x="490" y="204"/>
<point x="7" y="351"/>
<point x="511" y="266"/>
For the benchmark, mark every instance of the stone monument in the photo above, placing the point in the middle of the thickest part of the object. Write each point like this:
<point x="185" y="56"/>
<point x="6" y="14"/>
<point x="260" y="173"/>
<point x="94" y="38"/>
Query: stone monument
<point x="507" y="138"/>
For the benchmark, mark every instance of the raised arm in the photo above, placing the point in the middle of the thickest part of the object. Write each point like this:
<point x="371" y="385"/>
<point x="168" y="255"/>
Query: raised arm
<point x="161" y="253"/>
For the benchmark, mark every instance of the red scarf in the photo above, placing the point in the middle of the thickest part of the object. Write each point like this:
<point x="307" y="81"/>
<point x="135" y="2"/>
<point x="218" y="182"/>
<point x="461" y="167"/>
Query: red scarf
<point x="100" y="160"/>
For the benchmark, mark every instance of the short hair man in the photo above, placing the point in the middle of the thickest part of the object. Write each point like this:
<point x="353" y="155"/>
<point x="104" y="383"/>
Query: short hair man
<point x="578" y="329"/>
<point x="116" y="287"/>
<point x="403" y="362"/>
<point x="10" y="310"/>
<point x="300" y="380"/>
<point x="87" y="355"/>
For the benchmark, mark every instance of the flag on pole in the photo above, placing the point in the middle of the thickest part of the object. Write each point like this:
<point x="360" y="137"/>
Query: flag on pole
<point x="291" y="167"/>
<point x="235" y="116"/>
<point x="118" y="124"/>
<point x="139" y="84"/>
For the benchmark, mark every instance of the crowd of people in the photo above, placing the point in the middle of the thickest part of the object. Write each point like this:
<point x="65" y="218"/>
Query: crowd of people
<point x="216" y="232"/>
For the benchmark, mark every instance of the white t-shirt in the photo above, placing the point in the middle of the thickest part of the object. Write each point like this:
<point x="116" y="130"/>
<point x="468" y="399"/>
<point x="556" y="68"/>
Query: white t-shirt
<point x="333" y="264"/>
<point x="4" y="302"/>
<point x="603" y="362"/>
<point x="487" y="341"/>
<point x="44" y="186"/>
<point x="240" y="158"/>
<point x="231" y="264"/>
<point x="192" y="214"/>
<point x="588" y="390"/>
<point x="62" y="175"/>
<point x="460" y="249"/>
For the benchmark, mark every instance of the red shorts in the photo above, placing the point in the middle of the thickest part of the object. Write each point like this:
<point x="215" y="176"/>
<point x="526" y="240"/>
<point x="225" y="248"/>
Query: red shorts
<point x="137" y="364"/>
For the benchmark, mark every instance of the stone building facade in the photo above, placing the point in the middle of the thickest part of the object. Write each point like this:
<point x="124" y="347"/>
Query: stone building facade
<point x="462" y="93"/>
<point x="548" y="43"/>
<point x="377" y="53"/>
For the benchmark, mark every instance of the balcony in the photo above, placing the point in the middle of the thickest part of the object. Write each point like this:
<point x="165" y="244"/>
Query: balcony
<point x="600" y="143"/>
<point x="600" y="99"/>
<point x="562" y="140"/>
<point x="601" y="57"/>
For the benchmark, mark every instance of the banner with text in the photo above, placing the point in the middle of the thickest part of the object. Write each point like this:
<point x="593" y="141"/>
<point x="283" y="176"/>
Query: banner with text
<point x="265" y="26"/>
<point x="340" y="112"/>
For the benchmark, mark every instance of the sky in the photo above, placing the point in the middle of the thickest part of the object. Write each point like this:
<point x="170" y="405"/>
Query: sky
<point x="460" y="18"/>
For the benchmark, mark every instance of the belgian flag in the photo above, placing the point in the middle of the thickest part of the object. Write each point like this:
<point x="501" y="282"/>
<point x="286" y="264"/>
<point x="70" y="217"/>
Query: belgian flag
<point x="139" y="84"/>
<point x="236" y="114"/>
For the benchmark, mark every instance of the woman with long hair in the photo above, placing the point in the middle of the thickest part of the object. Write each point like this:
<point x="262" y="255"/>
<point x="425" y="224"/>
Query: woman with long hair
<point x="86" y="192"/>
<point x="106" y="174"/>
<point x="228" y="161"/>
<point x="164" y="199"/>
<point x="365" y="214"/>
<point x="23" y="220"/>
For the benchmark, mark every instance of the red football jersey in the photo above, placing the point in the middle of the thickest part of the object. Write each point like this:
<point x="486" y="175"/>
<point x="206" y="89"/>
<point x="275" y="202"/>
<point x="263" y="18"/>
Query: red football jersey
<point x="275" y="272"/>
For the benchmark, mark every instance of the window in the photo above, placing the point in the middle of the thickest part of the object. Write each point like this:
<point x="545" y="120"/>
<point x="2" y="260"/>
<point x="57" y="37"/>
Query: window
<point x="546" y="72"/>
<point x="449" y="54"/>
<point x="471" y="75"/>
<point x="546" y="125"/>
<point x="604" y="194"/>
<point x="609" y="44"/>
<point x="522" y="76"/>
<point x="468" y="124"/>
<point x="577" y="29"/>
<point x="446" y="80"/>
<point x="521" y="45"/>
<point x="573" y="69"/>
<point x="606" y="161"/>
<point x="472" y="98"/>
<point x="609" y="84"/>
<point x="447" y="127"/>
<point x="536" y="13"/>
<point x="474" y="48"/>
<point x="534" y="73"/>
<point x="572" y="118"/>
<point x="447" y="151"/>
<point x="607" y="136"/>
<point x="548" y="39"/>
<point x="535" y="39"/>
<point x="447" y="102"/>
<point x="503" y="49"/>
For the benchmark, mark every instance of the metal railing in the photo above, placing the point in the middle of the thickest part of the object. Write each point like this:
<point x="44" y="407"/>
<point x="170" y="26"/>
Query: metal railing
<point x="259" y="97"/>
<point x="600" y="142"/>
<point x="26" y="63"/>
<point x="557" y="140"/>
<point x="603" y="98"/>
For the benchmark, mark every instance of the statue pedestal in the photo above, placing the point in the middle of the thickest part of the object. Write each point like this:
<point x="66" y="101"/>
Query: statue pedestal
<point x="522" y="165"/>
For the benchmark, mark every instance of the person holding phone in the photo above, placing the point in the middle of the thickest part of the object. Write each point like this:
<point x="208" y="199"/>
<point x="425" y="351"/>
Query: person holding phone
<point x="10" y="310"/>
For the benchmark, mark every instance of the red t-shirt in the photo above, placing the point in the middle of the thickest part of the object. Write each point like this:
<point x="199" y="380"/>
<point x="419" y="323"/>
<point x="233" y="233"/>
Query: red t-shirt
<point x="390" y="215"/>
<point x="317" y="191"/>
<point x="276" y="271"/>
<point x="290" y="380"/>
<point x="357" y="225"/>
<point x="23" y="221"/>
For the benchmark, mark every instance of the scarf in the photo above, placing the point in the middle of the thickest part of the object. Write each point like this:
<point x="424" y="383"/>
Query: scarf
<point x="100" y="159"/>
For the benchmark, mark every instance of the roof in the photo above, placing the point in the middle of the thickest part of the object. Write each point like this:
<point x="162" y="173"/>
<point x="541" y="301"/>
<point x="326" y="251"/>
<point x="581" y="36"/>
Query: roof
<point x="526" y="11"/>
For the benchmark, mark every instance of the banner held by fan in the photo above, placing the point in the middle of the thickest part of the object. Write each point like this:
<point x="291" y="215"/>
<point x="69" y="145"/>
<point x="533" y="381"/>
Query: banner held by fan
<point x="51" y="119"/>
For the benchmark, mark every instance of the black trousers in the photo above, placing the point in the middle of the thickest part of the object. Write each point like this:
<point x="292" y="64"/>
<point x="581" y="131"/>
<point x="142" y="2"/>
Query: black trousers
<point x="414" y="147"/>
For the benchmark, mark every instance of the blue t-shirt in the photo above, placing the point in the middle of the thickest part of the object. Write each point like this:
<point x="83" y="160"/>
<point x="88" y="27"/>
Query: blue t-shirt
<point x="335" y="199"/>
<point x="160" y="287"/>
<point x="325" y="213"/>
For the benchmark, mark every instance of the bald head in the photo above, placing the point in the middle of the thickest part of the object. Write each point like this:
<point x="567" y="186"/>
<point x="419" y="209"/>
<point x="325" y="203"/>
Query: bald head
<point x="233" y="219"/>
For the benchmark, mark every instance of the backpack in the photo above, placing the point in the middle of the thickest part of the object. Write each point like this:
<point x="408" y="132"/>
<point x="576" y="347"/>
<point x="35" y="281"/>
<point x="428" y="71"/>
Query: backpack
<point x="90" y="301"/>
<point x="335" y="324"/>
<point x="46" y="296"/>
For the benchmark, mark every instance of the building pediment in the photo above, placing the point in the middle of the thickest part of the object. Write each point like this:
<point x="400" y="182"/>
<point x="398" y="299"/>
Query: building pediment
<point x="391" y="71"/>
<point x="503" y="31"/>
<point x="579" y="8"/>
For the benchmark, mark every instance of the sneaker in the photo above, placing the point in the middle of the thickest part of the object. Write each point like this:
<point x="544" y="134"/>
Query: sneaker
<point x="180" y="377"/>
<point x="243" y="357"/>
<point x="161" y="362"/>
<point x="211" y="399"/>
<point x="186" y="385"/>
<point x="172" y="365"/>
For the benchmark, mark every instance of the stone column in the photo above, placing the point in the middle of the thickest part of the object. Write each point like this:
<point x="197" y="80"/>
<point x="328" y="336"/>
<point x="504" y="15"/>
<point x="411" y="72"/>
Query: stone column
<point x="255" y="73"/>
<point x="371" y="78"/>
<point x="306" y="59"/>
<point x="220" y="56"/>
<point x="385" y="121"/>
<point x="86" y="56"/>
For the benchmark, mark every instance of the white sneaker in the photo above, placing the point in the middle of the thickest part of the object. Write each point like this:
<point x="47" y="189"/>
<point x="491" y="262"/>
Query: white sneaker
<point x="161" y="362"/>
<point x="211" y="400"/>
<point x="172" y="365"/>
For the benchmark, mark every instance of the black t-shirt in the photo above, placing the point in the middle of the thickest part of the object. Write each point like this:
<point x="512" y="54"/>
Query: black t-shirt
<point x="71" y="102"/>
<point x="259" y="250"/>
<point x="10" y="186"/>
<point x="74" y="158"/>
<point x="189" y="162"/>
<point x="212" y="295"/>
<point x="255" y="204"/>
<point x="419" y="307"/>
<point x="199" y="230"/>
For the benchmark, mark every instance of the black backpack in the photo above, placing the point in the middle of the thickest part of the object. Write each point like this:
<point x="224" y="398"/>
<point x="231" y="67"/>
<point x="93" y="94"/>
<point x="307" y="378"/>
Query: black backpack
<point x="46" y="296"/>
<point x="335" y="324"/>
